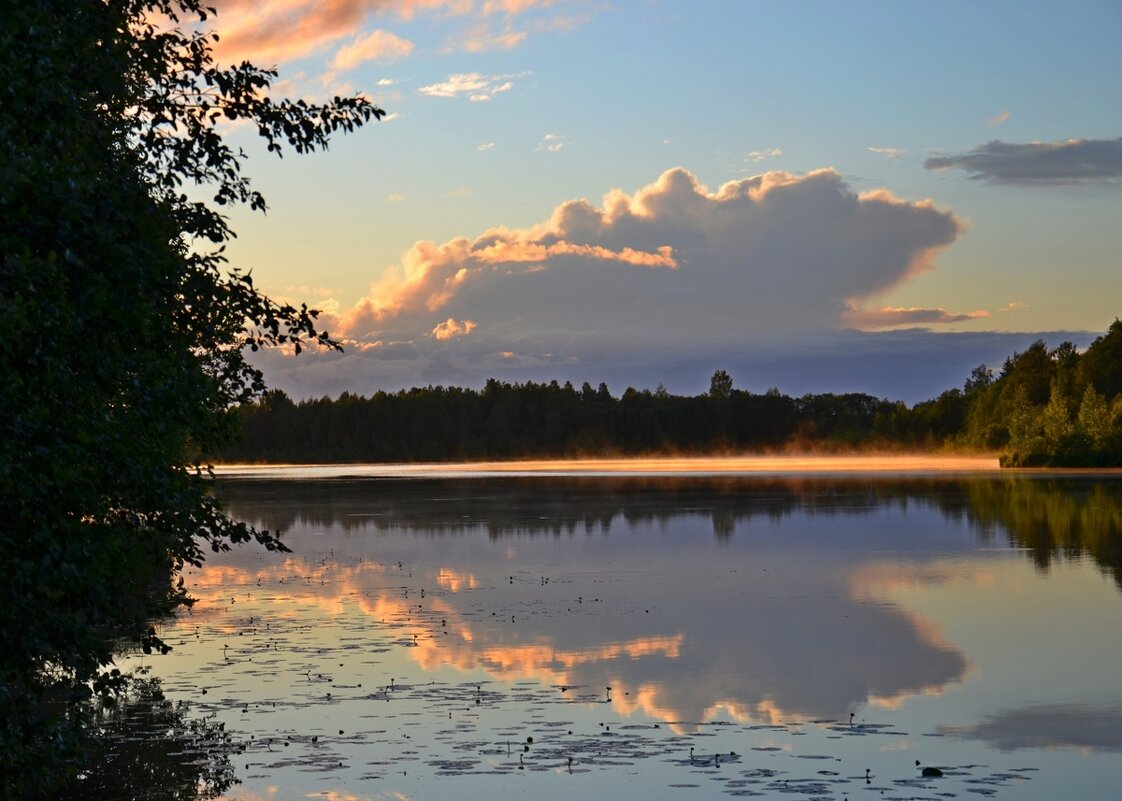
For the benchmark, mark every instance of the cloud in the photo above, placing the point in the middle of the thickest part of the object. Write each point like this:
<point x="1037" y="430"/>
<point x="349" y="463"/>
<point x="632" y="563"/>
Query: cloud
<point x="998" y="119"/>
<point x="482" y="38"/>
<point x="891" y="317"/>
<point x="552" y="143"/>
<point x="1074" y="161"/>
<point x="888" y="152"/>
<point x="760" y="155"/>
<point x="477" y="86"/>
<point x="665" y="284"/>
<point x="483" y="148"/>
<point x="394" y="197"/>
<point x="378" y="46"/>
<point x="672" y="263"/>
<point x="451" y="329"/>
<point x="273" y="31"/>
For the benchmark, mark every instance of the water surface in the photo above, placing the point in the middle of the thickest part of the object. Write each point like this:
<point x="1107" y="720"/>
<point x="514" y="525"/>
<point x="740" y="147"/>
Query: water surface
<point x="787" y="636"/>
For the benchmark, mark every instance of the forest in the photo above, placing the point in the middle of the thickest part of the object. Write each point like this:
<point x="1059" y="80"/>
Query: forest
<point x="1054" y="407"/>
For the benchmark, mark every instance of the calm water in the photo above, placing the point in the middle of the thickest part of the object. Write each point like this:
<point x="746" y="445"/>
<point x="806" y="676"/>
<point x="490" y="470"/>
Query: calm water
<point x="455" y="638"/>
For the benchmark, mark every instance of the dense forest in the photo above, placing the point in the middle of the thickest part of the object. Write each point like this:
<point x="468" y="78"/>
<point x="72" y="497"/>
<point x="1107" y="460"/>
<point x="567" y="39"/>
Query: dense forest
<point x="1046" y="407"/>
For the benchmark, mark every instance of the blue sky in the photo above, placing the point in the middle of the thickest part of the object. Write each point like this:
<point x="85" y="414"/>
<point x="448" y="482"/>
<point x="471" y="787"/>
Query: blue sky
<point x="945" y="186"/>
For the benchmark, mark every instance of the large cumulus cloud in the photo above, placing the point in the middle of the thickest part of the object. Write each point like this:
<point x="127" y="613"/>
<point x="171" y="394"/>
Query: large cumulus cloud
<point x="766" y="277"/>
<point x="671" y="263"/>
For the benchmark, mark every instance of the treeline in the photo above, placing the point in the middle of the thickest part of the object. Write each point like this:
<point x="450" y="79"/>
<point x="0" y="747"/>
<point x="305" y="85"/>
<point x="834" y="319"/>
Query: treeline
<point x="1045" y="407"/>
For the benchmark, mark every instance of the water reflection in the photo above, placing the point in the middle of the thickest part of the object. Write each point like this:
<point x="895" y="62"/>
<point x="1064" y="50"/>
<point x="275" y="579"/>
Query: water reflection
<point x="150" y="748"/>
<point x="1053" y="518"/>
<point x="770" y="631"/>
<point x="421" y="627"/>
<point x="1082" y="727"/>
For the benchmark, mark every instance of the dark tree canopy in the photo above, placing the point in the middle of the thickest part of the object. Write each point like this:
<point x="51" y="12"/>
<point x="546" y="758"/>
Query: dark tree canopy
<point x="720" y="385"/>
<point x="122" y="334"/>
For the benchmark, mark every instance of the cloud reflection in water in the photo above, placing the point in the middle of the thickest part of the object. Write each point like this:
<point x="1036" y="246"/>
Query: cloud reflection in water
<point x="622" y="590"/>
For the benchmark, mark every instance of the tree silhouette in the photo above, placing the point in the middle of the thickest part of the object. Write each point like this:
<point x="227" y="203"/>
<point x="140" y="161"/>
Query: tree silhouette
<point x="720" y="385"/>
<point x="124" y="336"/>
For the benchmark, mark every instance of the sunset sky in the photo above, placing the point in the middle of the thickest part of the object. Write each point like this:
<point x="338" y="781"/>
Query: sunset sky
<point x="817" y="196"/>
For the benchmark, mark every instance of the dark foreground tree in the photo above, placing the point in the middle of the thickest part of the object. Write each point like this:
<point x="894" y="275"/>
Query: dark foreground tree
<point x="121" y="337"/>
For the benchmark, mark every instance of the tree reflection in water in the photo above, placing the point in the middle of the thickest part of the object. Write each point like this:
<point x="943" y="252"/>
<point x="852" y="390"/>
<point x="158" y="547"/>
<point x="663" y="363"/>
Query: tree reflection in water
<point x="150" y="749"/>
<point x="1054" y="518"/>
<point x="1051" y="516"/>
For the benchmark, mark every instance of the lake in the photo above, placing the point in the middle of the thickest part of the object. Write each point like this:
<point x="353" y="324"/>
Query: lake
<point x="785" y="631"/>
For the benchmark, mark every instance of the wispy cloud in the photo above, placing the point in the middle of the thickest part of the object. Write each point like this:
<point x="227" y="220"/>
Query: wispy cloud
<point x="483" y="37"/>
<point x="462" y="191"/>
<point x="552" y="143"/>
<point x="998" y="119"/>
<point x="759" y="155"/>
<point x="483" y="148"/>
<point x="273" y="31"/>
<point x="888" y="152"/>
<point x="475" y="85"/>
<point x="377" y="46"/>
<point x="1074" y="161"/>
<point x="395" y="198"/>
<point x="894" y="317"/>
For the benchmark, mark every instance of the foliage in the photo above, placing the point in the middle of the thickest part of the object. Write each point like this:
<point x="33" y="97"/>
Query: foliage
<point x="121" y="336"/>
<point x="1101" y="365"/>
<point x="720" y="385"/>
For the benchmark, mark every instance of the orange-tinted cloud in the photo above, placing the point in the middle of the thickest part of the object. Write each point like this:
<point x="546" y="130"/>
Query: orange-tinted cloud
<point x="451" y="329"/>
<point x="377" y="46"/>
<point x="772" y="250"/>
<point x="892" y="316"/>
<point x="274" y="31"/>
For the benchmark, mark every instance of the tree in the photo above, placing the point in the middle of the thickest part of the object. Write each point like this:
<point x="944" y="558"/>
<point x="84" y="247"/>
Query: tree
<point x="1094" y="419"/>
<point x="1101" y="365"/>
<point x="980" y="378"/>
<point x="720" y="385"/>
<point x="121" y="337"/>
<point x="1026" y="432"/>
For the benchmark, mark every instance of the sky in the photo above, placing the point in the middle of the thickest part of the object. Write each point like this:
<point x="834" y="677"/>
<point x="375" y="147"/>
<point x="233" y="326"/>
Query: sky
<point x="859" y="197"/>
